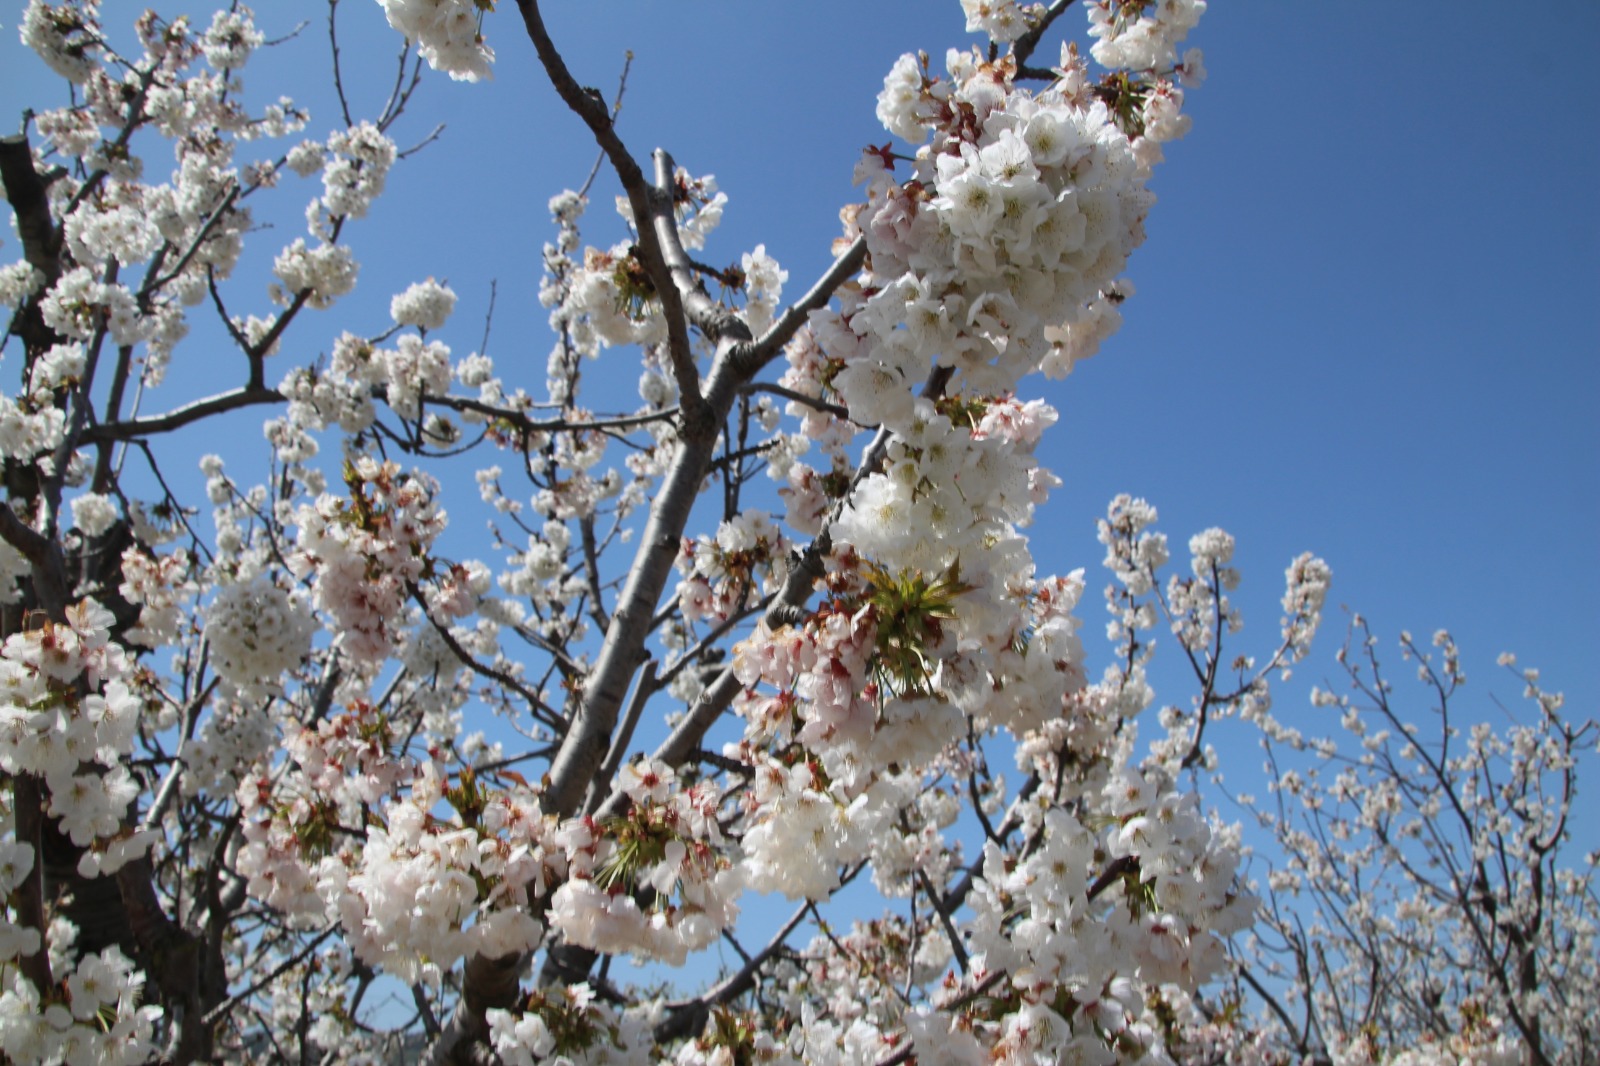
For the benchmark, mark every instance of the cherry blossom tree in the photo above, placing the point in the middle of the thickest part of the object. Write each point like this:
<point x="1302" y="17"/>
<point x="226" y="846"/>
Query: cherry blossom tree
<point x="773" y="629"/>
<point x="1426" y="905"/>
<point x="1422" y="903"/>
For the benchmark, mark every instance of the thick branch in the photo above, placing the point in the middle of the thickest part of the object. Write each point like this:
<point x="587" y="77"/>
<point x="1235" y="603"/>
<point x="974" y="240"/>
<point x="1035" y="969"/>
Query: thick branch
<point x="643" y="689"/>
<point x="49" y="568"/>
<point x="711" y="318"/>
<point x="30" y="203"/>
<point x="28" y="818"/>
<point x="34" y="546"/>
<point x="26" y="191"/>
<point x="623" y="653"/>
<point x="175" y="956"/>
<point x="487" y="984"/>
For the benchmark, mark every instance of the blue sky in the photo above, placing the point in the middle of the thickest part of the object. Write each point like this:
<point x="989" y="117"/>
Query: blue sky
<point x="1366" y="317"/>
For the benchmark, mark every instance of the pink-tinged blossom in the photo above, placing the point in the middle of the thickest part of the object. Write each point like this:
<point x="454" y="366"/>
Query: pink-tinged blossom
<point x="730" y="571"/>
<point x="159" y="585"/>
<point x="366" y="554"/>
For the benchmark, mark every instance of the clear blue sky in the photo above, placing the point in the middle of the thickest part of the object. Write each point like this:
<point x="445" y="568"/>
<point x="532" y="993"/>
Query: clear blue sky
<point x="1366" y="320"/>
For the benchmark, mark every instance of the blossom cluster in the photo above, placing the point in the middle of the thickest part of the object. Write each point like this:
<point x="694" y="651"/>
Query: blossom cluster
<point x="69" y="717"/>
<point x="68" y="720"/>
<point x="342" y="394"/>
<point x="414" y="892"/>
<point x="423" y="893"/>
<point x="367" y="555"/>
<point x="159" y="585"/>
<point x="231" y="38"/>
<point x="605" y="297"/>
<point x="728" y="572"/>
<point x="1000" y="20"/>
<point x="668" y="844"/>
<point x="571" y="1025"/>
<point x="79" y="305"/>
<point x="448" y="34"/>
<point x="1131" y="36"/>
<point x="99" y="1020"/>
<point x="1080" y="954"/>
<point x="257" y="632"/>
<point x="65" y="37"/>
<point x="32" y="423"/>
<point x="1019" y="211"/>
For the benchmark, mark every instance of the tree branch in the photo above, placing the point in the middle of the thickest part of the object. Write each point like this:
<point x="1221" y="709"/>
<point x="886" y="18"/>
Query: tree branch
<point x="769" y="344"/>
<point x="648" y="204"/>
<point x="247" y="396"/>
<point x="1022" y="48"/>
<point x="687" y="1018"/>
<point x="30" y="203"/>
<point x="643" y="689"/>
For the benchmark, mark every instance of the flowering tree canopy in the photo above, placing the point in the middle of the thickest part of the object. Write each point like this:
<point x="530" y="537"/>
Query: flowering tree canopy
<point x="771" y="627"/>
<point x="1420" y="903"/>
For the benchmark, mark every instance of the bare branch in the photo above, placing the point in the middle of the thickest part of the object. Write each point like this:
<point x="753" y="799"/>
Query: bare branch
<point x="812" y="402"/>
<point x="247" y="396"/>
<point x="686" y="1018"/>
<point x="1022" y="48"/>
